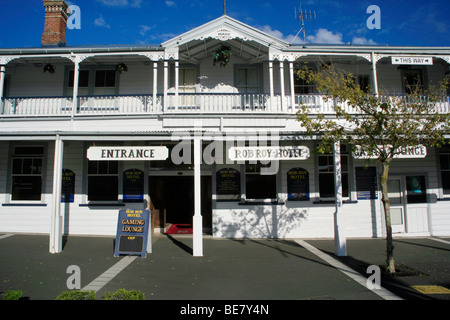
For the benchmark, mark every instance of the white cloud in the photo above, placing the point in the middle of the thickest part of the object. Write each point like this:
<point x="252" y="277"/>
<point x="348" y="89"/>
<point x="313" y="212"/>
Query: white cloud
<point x="324" y="36"/>
<point x="362" y="41"/>
<point x="144" y="29"/>
<point x="171" y="4"/>
<point x="100" y="22"/>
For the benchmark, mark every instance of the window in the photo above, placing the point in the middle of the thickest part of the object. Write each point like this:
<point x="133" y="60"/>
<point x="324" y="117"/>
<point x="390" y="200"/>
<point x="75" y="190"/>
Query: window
<point x="83" y="82"/>
<point x="301" y="86"/>
<point x="103" y="181"/>
<point x="412" y="80"/>
<point x="102" y="82"/>
<point x="416" y="190"/>
<point x="259" y="186"/>
<point x="444" y="157"/>
<point x="326" y="176"/>
<point x="27" y="173"/>
<point x="248" y="80"/>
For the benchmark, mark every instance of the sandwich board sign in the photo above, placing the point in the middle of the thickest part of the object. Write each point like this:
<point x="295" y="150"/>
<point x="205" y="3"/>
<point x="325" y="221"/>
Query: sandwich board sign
<point x="133" y="235"/>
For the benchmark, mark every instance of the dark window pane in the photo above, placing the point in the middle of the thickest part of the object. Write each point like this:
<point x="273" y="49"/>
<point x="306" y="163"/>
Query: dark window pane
<point x="28" y="151"/>
<point x="37" y="166"/>
<point x="100" y="78"/>
<point x="416" y="189"/>
<point x="17" y="166"/>
<point x="113" y="167"/>
<point x="260" y="186"/>
<point x="326" y="185"/>
<point x="103" y="188"/>
<point x="444" y="161"/>
<point x="110" y="78"/>
<point x="83" y="80"/>
<point x="27" y="167"/>
<point x="26" y="188"/>
<point x="102" y="167"/>
<point x="445" y="175"/>
<point x="92" y="167"/>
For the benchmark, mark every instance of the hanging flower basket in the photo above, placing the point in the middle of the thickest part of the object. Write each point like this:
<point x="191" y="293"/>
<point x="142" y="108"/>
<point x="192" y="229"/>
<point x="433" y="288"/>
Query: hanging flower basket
<point x="49" y="68"/>
<point x="121" y="67"/>
<point x="222" y="56"/>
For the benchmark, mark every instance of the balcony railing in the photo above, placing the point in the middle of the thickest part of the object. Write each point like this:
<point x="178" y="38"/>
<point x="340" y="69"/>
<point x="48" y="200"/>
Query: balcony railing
<point x="193" y="103"/>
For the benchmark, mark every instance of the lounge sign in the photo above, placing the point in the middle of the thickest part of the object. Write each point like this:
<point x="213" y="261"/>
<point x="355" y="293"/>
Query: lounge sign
<point x="411" y="152"/>
<point x="132" y="232"/>
<point x="268" y="153"/>
<point x="127" y="153"/>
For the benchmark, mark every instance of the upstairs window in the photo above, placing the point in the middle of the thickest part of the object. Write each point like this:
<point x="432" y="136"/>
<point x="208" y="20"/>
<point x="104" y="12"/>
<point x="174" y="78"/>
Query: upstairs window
<point x="27" y="173"/>
<point x="412" y="80"/>
<point x="248" y="80"/>
<point x="93" y="82"/>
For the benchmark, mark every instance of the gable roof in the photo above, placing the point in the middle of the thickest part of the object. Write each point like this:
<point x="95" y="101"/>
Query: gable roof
<point x="226" y="28"/>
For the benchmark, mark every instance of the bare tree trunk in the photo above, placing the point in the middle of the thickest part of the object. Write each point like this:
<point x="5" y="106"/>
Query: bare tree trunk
<point x="387" y="212"/>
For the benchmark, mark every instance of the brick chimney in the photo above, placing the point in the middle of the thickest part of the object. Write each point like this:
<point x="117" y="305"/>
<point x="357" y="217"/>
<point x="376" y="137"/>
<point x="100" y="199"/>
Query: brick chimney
<point x="56" y="14"/>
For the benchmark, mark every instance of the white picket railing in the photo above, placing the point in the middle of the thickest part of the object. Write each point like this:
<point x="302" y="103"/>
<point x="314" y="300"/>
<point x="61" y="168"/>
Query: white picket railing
<point x="182" y="103"/>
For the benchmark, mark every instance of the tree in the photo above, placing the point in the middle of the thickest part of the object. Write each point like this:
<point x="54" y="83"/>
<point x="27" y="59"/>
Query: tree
<point x="380" y="126"/>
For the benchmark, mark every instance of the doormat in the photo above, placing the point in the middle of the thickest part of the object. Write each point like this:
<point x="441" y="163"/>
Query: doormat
<point x="180" y="229"/>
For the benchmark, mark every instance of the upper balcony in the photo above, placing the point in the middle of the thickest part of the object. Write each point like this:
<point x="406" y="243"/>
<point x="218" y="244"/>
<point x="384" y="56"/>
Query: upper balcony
<point x="182" y="103"/>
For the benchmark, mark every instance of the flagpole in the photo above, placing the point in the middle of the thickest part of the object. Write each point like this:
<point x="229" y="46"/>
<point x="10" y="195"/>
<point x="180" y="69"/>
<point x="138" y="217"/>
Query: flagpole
<point x="224" y="7"/>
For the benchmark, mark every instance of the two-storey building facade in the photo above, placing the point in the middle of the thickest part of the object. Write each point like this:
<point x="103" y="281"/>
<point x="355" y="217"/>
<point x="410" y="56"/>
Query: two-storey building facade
<point x="186" y="128"/>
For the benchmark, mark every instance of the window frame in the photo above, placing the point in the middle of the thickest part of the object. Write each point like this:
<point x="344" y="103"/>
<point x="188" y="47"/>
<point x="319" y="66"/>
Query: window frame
<point x="346" y="173"/>
<point x="256" y="171"/>
<point x="243" y="89"/>
<point x="91" y="88"/>
<point x="99" y="174"/>
<point x="41" y="174"/>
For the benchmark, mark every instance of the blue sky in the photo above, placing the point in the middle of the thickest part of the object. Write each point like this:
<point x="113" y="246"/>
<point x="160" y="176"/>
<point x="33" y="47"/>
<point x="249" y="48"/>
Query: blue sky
<point x="108" y="22"/>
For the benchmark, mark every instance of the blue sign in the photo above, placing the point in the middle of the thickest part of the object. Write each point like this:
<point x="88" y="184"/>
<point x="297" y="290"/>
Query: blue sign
<point x="132" y="232"/>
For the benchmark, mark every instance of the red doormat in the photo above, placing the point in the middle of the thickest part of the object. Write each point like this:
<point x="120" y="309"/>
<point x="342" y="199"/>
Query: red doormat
<point x="180" y="229"/>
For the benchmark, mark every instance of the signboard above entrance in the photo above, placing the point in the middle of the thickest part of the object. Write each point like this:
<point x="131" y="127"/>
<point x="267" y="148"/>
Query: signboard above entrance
<point x="268" y="153"/>
<point x="411" y="152"/>
<point x="127" y="153"/>
<point x="413" y="60"/>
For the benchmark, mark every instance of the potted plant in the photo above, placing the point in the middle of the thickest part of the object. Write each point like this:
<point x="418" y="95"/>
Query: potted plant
<point x="222" y="55"/>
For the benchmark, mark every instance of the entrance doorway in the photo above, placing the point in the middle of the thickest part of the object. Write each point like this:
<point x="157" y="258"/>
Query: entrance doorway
<point x="174" y="195"/>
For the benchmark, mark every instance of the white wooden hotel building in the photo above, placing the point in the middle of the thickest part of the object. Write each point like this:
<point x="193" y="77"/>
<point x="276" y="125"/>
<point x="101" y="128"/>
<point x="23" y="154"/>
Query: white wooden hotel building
<point x="84" y="132"/>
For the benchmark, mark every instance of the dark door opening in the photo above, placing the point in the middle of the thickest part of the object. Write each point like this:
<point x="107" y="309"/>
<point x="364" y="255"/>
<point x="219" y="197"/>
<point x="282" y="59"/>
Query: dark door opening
<point x="175" y="196"/>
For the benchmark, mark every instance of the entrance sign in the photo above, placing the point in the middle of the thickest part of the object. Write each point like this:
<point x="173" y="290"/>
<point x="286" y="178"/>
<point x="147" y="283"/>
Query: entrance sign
<point x="133" y="185"/>
<point x="268" y="153"/>
<point x="132" y="232"/>
<point x="127" y="153"/>
<point x="298" y="184"/>
<point x="413" y="60"/>
<point x="411" y="152"/>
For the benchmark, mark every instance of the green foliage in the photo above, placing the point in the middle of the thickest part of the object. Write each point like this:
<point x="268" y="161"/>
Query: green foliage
<point x="379" y="124"/>
<point x="12" y="295"/>
<point x="123" y="294"/>
<point x="76" y="295"/>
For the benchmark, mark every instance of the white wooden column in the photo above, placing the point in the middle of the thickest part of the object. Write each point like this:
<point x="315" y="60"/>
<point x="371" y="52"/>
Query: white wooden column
<point x="2" y="84"/>
<point x="340" y="244"/>
<point x="291" y="76"/>
<point x="177" y="80"/>
<point x="198" y="219"/>
<point x="56" y="217"/>
<point x="155" y="85"/>
<point x="76" y="76"/>
<point x="374" y="75"/>
<point x="272" y="93"/>
<point x="282" y="83"/>
<point x="166" y="84"/>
